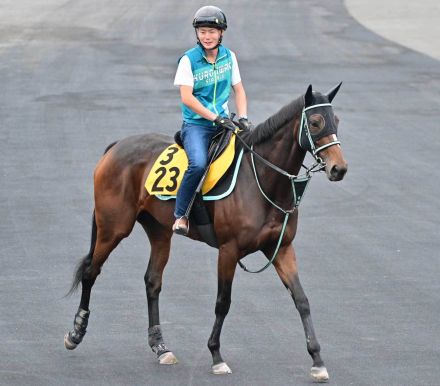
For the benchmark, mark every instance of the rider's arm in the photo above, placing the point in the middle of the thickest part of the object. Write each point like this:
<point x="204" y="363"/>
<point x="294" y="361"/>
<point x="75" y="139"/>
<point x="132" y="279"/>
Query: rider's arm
<point x="237" y="86"/>
<point x="240" y="99"/>
<point x="190" y="101"/>
<point x="185" y="80"/>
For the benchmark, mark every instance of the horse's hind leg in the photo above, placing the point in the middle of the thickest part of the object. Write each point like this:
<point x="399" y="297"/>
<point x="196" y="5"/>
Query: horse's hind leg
<point x="285" y="265"/>
<point x="160" y="240"/>
<point x="106" y="235"/>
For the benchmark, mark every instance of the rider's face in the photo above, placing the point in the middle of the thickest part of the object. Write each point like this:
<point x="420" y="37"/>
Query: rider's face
<point x="209" y="37"/>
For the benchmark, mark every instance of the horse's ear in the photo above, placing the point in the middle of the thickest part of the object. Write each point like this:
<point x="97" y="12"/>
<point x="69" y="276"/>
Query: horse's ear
<point x="331" y="94"/>
<point x="308" y="97"/>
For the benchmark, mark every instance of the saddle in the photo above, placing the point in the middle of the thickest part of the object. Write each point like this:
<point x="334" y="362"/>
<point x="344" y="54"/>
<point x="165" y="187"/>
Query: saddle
<point x="224" y="158"/>
<point x="165" y="177"/>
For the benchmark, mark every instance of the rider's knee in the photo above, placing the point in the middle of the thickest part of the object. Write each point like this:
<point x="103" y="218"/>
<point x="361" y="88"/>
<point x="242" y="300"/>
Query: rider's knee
<point x="198" y="165"/>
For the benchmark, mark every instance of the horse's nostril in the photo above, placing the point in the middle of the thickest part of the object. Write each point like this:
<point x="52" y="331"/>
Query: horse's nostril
<point x="337" y="172"/>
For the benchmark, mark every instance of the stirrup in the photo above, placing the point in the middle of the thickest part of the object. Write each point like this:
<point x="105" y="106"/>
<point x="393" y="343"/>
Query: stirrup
<point x="180" y="229"/>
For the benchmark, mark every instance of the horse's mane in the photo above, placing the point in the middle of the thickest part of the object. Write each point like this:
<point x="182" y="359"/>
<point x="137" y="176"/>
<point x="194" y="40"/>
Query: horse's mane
<point x="265" y="130"/>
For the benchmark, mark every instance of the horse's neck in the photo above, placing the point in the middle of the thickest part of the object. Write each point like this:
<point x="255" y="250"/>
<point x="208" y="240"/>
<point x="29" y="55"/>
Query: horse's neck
<point x="283" y="151"/>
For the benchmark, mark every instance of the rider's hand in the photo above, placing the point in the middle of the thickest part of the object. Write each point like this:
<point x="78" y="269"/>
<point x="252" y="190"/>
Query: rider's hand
<point x="224" y="123"/>
<point x="245" y="124"/>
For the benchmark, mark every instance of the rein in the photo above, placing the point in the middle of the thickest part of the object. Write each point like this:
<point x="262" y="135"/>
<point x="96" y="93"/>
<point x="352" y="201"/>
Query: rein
<point x="299" y="183"/>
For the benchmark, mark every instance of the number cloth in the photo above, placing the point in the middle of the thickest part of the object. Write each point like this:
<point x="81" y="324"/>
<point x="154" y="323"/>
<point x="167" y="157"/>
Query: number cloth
<point x="167" y="172"/>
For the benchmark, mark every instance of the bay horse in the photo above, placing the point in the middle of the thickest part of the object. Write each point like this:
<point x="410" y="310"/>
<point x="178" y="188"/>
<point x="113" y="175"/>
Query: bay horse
<point x="250" y="219"/>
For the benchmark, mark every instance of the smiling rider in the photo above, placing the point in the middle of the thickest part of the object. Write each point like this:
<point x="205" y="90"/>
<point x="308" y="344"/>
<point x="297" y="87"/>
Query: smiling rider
<point x="205" y="75"/>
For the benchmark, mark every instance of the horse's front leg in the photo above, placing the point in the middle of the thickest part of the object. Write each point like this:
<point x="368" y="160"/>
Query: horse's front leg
<point x="286" y="267"/>
<point x="226" y="270"/>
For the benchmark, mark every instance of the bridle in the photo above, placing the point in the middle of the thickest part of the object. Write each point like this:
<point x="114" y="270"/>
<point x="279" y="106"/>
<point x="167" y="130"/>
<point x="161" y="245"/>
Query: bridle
<point x="304" y="132"/>
<point x="299" y="182"/>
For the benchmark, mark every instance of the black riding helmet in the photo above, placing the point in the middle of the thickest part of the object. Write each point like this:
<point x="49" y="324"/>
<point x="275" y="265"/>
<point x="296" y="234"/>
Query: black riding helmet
<point x="210" y="16"/>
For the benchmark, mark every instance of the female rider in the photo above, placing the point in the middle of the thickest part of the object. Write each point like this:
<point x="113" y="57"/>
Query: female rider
<point x="205" y="75"/>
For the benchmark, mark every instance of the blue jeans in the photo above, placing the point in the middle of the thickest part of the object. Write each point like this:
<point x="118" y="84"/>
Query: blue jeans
<point x="196" y="141"/>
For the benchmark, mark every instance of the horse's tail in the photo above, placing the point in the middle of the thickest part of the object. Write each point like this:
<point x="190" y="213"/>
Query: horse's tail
<point x="85" y="262"/>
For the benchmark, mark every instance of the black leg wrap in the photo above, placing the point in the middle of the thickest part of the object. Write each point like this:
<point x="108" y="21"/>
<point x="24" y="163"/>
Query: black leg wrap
<point x="79" y="326"/>
<point x="155" y="341"/>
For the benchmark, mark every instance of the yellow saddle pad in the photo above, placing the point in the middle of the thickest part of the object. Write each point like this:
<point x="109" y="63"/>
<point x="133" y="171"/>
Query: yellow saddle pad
<point x="167" y="172"/>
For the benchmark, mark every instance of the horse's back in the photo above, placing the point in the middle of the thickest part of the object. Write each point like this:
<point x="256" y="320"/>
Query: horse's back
<point x="130" y="157"/>
<point x="139" y="148"/>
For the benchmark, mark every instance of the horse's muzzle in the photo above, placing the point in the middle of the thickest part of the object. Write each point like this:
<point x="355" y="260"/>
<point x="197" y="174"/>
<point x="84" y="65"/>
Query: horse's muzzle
<point x="337" y="172"/>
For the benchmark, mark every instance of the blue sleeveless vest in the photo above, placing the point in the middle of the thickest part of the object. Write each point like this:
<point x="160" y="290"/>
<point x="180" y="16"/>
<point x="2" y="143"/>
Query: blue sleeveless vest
<point x="212" y="84"/>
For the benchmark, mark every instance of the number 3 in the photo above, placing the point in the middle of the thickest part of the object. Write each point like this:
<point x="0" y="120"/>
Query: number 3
<point x="172" y="150"/>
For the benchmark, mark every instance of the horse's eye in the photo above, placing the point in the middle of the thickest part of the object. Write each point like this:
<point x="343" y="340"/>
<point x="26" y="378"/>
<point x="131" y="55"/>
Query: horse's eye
<point x="317" y="123"/>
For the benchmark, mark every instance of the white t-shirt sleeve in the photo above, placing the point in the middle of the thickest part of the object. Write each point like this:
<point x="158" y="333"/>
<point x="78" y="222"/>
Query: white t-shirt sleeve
<point x="184" y="75"/>
<point x="235" y="70"/>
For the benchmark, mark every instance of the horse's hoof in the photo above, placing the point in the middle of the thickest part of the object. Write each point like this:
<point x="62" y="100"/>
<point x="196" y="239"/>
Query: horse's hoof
<point x="319" y="374"/>
<point x="221" y="368"/>
<point x="167" y="358"/>
<point x="68" y="343"/>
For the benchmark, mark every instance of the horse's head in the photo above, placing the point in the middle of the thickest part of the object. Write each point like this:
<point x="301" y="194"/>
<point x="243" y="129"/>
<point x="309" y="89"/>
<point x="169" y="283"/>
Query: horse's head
<point x="318" y="132"/>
